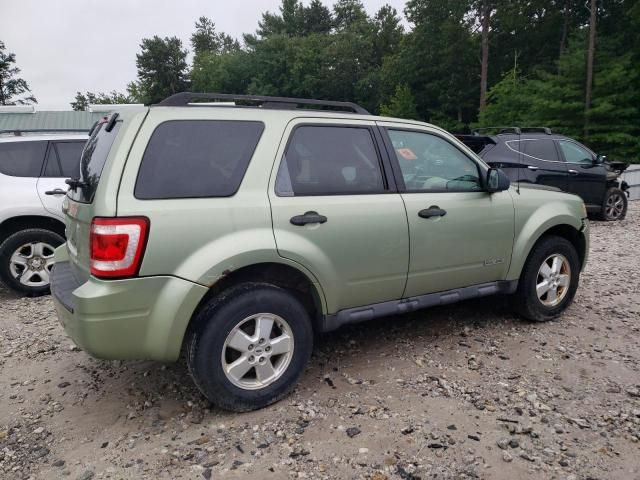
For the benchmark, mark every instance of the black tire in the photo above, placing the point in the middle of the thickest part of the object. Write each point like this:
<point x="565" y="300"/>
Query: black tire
<point x="614" y="205"/>
<point x="214" y="322"/>
<point x="526" y="301"/>
<point x="11" y="245"/>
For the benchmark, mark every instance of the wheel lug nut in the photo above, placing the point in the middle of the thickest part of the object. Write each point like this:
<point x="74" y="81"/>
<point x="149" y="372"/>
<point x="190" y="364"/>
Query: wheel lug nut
<point x="251" y="358"/>
<point x="261" y="359"/>
<point x="250" y="347"/>
<point x="261" y="341"/>
<point x="267" y="349"/>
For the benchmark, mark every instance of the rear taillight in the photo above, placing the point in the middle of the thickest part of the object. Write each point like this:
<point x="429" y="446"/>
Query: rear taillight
<point x="117" y="246"/>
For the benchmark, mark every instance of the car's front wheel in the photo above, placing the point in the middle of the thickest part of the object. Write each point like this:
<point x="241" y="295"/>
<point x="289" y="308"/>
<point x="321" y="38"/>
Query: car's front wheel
<point x="614" y="206"/>
<point x="26" y="259"/>
<point x="249" y="346"/>
<point x="549" y="279"/>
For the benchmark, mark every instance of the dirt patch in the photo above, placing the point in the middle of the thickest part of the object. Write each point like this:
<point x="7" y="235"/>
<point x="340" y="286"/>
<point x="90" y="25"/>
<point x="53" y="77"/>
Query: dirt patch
<point x="464" y="391"/>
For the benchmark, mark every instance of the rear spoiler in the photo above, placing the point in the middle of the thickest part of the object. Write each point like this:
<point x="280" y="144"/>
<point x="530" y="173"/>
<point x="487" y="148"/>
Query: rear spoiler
<point x="477" y="143"/>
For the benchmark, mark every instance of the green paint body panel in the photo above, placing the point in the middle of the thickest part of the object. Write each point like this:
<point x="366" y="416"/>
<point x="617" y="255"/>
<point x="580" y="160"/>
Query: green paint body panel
<point x="373" y="248"/>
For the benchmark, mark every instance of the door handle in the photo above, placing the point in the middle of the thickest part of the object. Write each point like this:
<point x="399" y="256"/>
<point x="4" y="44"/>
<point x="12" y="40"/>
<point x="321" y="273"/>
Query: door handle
<point x="573" y="172"/>
<point x="308" y="217"/>
<point x="532" y="167"/>
<point x="57" y="191"/>
<point x="432" y="211"/>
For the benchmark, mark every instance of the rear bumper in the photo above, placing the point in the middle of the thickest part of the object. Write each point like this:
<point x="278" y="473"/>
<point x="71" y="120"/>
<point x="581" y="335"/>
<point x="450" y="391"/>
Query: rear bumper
<point x="138" y="318"/>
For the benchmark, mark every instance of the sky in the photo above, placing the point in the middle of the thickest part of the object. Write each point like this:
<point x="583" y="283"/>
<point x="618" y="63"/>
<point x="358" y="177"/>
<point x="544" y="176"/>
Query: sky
<point x="65" y="46"/>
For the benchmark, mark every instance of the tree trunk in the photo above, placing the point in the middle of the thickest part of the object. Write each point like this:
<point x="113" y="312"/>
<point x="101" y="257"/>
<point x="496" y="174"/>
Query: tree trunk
<point x="590" y="55"/>
<point x="484" y="68"/>
<point x="565" y="27"/>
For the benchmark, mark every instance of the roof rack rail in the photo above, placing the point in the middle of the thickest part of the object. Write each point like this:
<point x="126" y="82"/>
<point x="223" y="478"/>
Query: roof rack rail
<point x="546" y="130"/>
<point x="19" y="131"/>
<point x="515" y="130"/>
<point x="186" y="99"/>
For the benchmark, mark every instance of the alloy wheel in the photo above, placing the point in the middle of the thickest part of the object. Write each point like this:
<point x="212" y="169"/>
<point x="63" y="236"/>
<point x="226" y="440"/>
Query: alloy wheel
<point x="614" y="206"/>
<point x="257" y="351"/>
<point x="31" y="264"/>
<point x="554" y="277"/>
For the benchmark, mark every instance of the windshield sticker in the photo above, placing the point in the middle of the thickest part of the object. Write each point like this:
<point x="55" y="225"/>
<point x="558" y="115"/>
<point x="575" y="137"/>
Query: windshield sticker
<point x="407" y="153"/>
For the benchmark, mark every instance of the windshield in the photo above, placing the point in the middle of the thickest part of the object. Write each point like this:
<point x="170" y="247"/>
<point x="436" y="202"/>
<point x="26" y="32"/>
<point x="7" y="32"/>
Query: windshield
<point x="94" y="156"/>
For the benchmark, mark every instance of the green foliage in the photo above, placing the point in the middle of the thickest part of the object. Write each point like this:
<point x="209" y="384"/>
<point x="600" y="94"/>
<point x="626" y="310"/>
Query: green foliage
<point x="401" y="105"/>
<point x="431" y="71"/>
<point x="12" y="87"/>
<point x="555" y="98"/>
<point x="162" y="69"/>
<point x="83" y="100"/>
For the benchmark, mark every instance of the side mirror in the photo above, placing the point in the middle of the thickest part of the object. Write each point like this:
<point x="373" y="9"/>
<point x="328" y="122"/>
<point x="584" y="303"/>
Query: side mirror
<point x="599" y="159"/>
<point x="497" y="180"/>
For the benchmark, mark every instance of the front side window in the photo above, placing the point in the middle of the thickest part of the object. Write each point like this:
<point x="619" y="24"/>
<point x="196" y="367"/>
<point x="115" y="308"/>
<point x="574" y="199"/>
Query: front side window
<point x="330" y="160"/>
<point x="22" y="159"/>
<point x="431" y="164"/>
<point x="196" y="159"/>
<point x="574" y="153"/>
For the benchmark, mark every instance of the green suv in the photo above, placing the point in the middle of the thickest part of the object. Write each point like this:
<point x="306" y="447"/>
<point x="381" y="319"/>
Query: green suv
<point x="238" y="228"/>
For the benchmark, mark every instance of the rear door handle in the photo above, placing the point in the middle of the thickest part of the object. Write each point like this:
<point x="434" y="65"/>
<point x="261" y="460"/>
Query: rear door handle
<point x="432" y="211"/>
<point x="532" y="167"/>
<point x="57" y="191"/>
<point x="573" y="172"/>
<point x="308" y="217"/>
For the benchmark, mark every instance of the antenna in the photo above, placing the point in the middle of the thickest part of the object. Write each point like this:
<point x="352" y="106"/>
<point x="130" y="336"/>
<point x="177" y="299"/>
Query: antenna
<point x="519" y="161"/>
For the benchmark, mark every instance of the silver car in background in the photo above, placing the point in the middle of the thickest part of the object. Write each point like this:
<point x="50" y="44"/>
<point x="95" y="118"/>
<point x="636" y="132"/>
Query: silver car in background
<point x="33" y="168"/>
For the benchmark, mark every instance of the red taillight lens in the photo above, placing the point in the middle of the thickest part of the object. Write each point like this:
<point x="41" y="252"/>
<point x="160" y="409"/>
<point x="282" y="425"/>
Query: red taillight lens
<point x="117" y="246"/>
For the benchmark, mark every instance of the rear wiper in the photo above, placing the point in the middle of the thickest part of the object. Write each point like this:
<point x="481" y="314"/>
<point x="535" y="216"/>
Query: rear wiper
<point x="74" y="183"/>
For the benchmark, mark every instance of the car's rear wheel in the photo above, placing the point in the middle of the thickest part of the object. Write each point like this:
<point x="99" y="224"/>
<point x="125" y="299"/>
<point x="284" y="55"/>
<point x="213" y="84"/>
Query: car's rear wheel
<point x="614" y="206"/>
<point x="249" y="346"/>
<point x="26" y="259"/>
<point x="549" y="279"/>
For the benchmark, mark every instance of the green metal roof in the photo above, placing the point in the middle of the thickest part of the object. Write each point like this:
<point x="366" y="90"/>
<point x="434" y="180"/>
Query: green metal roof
<point x="47" y="120"/>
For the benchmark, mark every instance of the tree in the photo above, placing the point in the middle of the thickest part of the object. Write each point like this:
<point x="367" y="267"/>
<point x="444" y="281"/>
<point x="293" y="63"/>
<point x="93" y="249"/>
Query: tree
<point x="207" y="40"/>
<point x="593" y="10"/>
<point x="349" y="13"/>
<point x="401" y="105"/>
<point x="162" y="68"/>
<point x="83" y="100"/>
<point x="317" y="18"/>
<point x="12" y="86"/>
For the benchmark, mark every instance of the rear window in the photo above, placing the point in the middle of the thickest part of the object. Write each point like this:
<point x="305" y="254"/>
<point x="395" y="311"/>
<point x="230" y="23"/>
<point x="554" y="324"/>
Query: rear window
<point x="22" y="159"/>
<point x="94" y="155"/>
<point x="196" y="159"/>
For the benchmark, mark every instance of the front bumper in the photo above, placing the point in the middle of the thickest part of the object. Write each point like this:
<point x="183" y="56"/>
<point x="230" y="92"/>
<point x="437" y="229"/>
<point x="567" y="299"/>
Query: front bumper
<point x="137" y="318"/>
<point x="587" y="241"/>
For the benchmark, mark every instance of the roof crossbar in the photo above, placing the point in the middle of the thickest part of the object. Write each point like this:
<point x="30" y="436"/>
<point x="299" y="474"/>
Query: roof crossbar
<point x="187" y="99"/>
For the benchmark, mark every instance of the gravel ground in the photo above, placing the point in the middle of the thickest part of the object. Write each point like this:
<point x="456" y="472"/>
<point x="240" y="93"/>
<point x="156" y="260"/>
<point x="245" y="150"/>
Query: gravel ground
<point x="464" y="391"/>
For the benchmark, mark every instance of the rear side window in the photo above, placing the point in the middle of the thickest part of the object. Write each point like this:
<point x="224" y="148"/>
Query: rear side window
<point x="196" y="158"/>
<point x="94" y="155"/>
<point x="535" y="149"/>
<point x="22" y="159"/>
<point x="63" y="159"/>
<point x="331" y="160"/>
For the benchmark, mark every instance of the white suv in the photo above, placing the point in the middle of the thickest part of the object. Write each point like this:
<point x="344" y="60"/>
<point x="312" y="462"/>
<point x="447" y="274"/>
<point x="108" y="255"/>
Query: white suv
<point x="33" y="169"/>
